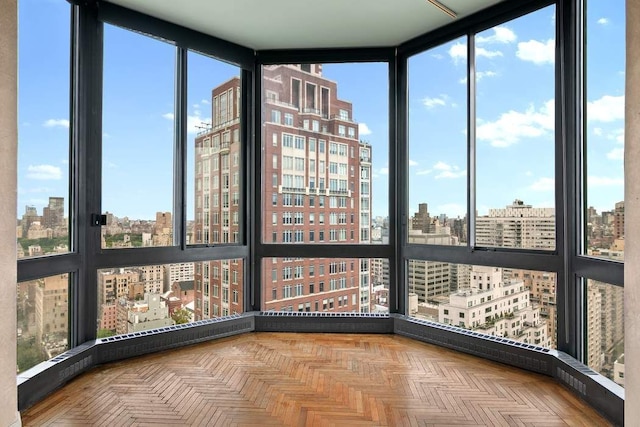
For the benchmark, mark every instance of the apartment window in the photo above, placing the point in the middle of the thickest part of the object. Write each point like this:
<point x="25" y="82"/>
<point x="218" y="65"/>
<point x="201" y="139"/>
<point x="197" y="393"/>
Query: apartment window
<point x="288" y="119"/>
<point x="118" y="196"/>
<point x="518" y="212"/>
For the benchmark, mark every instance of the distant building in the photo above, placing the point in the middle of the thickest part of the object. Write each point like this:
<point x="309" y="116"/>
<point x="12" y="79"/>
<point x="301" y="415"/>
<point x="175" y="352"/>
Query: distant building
<point x="149" y="313"/>
<point x="517" y="226"/>
<point x="52" y="319"/>
<point x="495" y="307"/>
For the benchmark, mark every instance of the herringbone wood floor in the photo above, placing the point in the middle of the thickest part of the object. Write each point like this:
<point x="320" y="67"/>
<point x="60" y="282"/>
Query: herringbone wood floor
<point x="265" y="379"/>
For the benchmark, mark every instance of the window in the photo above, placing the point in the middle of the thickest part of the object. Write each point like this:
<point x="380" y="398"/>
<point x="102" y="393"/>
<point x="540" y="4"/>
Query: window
<point x="518" y="212"/>
<point x="288" y="119"/>
<point x="122" y="149"/>
<point x="207" y="97"/>
<point x="43" y="174"/>
<point x="43" y="319"/>
<point x="437" y="174"/>
<point x="513" y="303"/>
<point x="604" y="130"/>
<point x="605" y="329"/>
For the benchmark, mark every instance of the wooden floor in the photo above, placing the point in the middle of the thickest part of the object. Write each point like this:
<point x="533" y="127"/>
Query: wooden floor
<point x="265" y="379"/>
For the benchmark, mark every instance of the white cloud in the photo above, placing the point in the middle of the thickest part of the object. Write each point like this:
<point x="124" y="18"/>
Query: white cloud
<point x="543" y="184"/>
<point x="514" y="125"/>
<point x="44" y="172"/>
<point x="537" y="52"/>
<point x="452" y="210"/>
<point x="480" y="51"/>
<point x="434" y="102"/>
<point x="195" y="123"/>
<point x="597" y="131"/>
<point x="604" y="181"/>
<point x="205" y="102"/>
<point x="528" y="173"/>
<point x="53" y="123"/>
<point x="458" y="51"/>
<point x="479" y="76"/>
<point x="448" y="171"/>
<point x="384" y="171"/>
<point x="500" y="35"/>
<point x="413" y="163"/>
<point x="363" y="129"/>
<point x="112" y="165"/>
<point x="603" y="21"/>
<point x="437" y="55"/>
<point x="606" y="109"/>
<point x="424" y="172"/>
<point x="616" y="154"/>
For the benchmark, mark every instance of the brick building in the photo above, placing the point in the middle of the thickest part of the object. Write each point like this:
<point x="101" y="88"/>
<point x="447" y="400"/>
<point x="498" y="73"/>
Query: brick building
<point x="316" y="188"/>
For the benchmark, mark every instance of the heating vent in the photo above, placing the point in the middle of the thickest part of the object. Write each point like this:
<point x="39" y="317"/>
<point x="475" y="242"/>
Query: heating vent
<point x="362" y="323"/>
<point x="35" y="383"/>
<point x="144" y="342"/>
<point x="600" y="392"/>
<point x="514" y="353"/>
<point x="571" y="381"/>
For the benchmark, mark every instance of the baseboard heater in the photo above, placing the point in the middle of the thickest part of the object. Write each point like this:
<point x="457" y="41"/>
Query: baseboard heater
<point x="601" y="393"/>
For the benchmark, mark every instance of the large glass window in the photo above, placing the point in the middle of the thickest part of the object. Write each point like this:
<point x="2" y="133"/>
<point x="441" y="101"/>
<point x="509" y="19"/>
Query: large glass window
<point x="137" y="140"/>
<point x="515" y="133"/>
<point x="43" y="319"/>
<point x="326" y="284"/>
<point x="605" y="329"/>
<point x="215" y="166"/>
<point x="43" y="129"/>
<point x="604" y="128"/>
<point x="328" y="162"/>
<point x="438" y="145"/>
<point x="510" y="303"/>
<point x="146" y="297"/>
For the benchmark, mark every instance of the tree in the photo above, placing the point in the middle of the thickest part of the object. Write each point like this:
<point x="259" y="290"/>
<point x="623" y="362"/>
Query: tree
<point x="181" y="316"/>
<point x="104" y="333"/>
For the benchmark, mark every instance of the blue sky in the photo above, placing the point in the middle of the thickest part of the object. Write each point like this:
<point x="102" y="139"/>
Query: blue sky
<point x="515" y="126"/>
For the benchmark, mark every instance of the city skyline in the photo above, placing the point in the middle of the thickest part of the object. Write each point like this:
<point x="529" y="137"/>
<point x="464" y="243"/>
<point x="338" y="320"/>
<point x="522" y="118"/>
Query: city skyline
<point x="507" y="55"/>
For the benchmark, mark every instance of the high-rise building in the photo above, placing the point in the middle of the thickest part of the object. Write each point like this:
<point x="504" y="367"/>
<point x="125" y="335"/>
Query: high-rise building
<point x="517" y="226"/>
<point x="316" y="187"/>
<point x="618" y="221"/>
<point x="421" y="219"/>
<point x="51" y="313"/>
<point x="53" y="215"/>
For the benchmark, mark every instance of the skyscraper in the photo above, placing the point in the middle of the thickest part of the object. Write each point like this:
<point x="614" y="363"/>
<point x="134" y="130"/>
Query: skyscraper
<point x="316" y="189"/>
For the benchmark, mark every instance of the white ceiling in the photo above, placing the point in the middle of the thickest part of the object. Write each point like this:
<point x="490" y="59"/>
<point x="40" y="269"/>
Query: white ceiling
<point x="286" y="24"/>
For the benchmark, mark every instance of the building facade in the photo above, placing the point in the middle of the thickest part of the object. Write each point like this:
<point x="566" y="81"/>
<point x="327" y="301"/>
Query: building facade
<point x="316" y="189"/>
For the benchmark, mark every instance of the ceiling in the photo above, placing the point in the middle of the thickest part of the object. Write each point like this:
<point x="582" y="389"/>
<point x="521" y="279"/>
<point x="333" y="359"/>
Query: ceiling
<point x="290" y="24"/>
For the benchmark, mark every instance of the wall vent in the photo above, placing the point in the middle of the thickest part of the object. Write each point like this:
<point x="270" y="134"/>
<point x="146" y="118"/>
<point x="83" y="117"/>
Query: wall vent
<point x="138" y="343"/>
<point x="353" y="323"/>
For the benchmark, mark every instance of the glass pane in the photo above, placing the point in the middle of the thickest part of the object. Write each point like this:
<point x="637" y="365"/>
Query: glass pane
<point x="137" y="140"/>
<point x="214" y="152"/>
<point x="325" y="176"/>
<point x="43" y="320"/>
<point x="146" y="297"/>
<point x="510" y="303"/>
<point x="604" y="133"/>
<point x="438" y="171"/>
<point x="43" y="128"/>
<point x="219" y="288"/>
<point x="605" y="329"/>
<point x="326" y="284"/>
<point x="515" y="133"/>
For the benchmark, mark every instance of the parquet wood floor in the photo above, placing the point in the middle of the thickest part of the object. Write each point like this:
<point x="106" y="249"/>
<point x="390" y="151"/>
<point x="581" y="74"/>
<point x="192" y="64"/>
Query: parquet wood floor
<point x="274" y="379"/>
